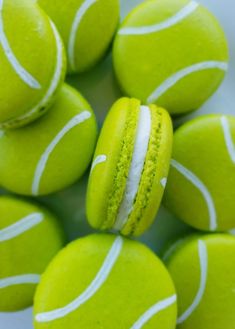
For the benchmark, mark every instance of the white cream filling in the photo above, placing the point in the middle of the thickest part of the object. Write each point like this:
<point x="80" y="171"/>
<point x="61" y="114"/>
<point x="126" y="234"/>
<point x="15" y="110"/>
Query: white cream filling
<point x="136" y="167"/>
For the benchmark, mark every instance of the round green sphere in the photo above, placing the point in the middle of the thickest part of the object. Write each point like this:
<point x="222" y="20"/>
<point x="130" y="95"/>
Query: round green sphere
<point x="32" y="61"/>
<point x="29" y="238"/>
<point x="170" y="52"/>
<point x="105" y="281"/>
<point x="200" y="188"/>
<point x="87" y="28"/>
<point x="202" y="268"/>
<point x="51" y="153"/>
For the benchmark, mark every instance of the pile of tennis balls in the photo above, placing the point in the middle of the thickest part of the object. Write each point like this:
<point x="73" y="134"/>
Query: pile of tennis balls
<point x="169" y="57"/>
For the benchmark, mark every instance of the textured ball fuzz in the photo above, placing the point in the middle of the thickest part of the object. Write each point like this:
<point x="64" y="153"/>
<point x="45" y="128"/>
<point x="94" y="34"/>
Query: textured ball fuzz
<point x="130" y="167"/>
<point x="106" y="282"/>
<point x="32" y="62"/>
<point x="172" y="53"/>
<point x="51" y="153"/>
<point x="29" y="238"/>
<point x="202" y="174"/>
<point x="86" y="26"/>
<point x="202" y="268"/>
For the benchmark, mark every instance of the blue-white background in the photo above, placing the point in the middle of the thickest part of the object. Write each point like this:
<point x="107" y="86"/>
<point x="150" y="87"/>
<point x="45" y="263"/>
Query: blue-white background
<point x="100" y="89"/>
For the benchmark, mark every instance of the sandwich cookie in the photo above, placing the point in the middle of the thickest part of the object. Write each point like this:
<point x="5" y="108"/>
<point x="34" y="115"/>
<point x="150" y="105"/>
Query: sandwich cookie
<point x="106" y="282"/>
<point x="172" y="53"/>
<point x="202" y="268"/>
<point x="130" y="167"/>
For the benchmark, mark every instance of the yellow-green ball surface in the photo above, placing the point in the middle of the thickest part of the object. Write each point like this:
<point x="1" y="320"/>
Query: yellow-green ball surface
<point x="29" y="238"/>
<point x="54" y="151"/>
<point x="105" y="281"/>
<point x="32" y="62"/>
<point x="202" y="268"/>
<point x="86" y="26"/>
<point x="170" y="52"/>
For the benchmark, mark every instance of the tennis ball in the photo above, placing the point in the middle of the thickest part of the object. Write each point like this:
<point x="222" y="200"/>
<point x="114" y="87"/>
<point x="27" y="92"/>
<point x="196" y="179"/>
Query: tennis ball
<point x="202" y="268"/>
<point x="106" y="282"/>
<point x="86" y="26"/>
<point x="29" y="238"/>
<point x="130" y="167"/>
<point x="200" y="188"/>
<point x="51" y="153"/>
<point x="32" y="62"/>
<point x="170" y="52"/>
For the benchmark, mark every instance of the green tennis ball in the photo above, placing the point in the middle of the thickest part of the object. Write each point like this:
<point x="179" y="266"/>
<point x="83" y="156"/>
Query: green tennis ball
<point x="29" y="238"/>
<point x="201" y="181"/>
<point x="32" y="62"/>
<point x="103" y="281"/>
<point x="130" y="167"/>
<point x="170" y="52"/>
<point x="202" y="268"/>
<point x="86" y="26"/>
<point x="51" y="153"/>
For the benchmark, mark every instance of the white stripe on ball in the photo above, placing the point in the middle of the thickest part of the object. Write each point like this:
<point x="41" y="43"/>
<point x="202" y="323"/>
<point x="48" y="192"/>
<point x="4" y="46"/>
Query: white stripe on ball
<point x="203" y="258"/>
<point x="19" y="279"/>
<point x="172" y="80"/>
<point x="95" y="285"/>
<point x="55" y="79"/>
<point x="228" y="138"/>
<point x="155" y="309"/>
<point x="19" y="69"/>
<point x="21" y="226"/>
<point x="202" y="188"/>
<point x="74" y="29"/>
<point x="76" y="120"/>
<point x="177" y="18"/>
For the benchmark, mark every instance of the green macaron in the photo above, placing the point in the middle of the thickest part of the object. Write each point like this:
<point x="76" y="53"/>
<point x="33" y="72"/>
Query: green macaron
<point x="202" y="268"/>
<point x="51" y="153"/>
<point x="30" y="236"/>
<point x="105" y="281"/>
<point x="87" y="28"/>
<point x="172" y="53"/>
<point x="32" y="61"/>
<point x="130" y="167"/>
<point x="200" y="188"/>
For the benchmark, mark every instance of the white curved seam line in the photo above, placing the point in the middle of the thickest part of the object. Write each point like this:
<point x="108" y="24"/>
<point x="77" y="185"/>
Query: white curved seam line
<point x="203" y="257"/>
<point x="177" y="18"/>
<point x="55" y="79"/>
<point x="98" y="160"/>
<point x="19" y="69"/>
<point x="172" y="80"/>
<point x="75" y="25"/>
<point x="95" y="285"/>
<point x="19" y="279"/>
<point x="21" y="226"/>
<point x="228" y="138"/>
<point x="202" y="188"/>
<point x="155" y="309"/>
<point x="163" y="182"/>
<point x="78" y="119"/>
<point x="136" y="167"/>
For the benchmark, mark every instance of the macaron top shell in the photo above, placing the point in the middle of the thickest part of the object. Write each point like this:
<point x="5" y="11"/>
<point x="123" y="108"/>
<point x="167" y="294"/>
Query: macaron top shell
<point x="87" y="28"/>
<point x="105" y="281"/>
<point x="32" y="61"/>
<point x="202" y="268"/>
<point x="201" y="181"/>
<point x="130" y="167"/>
<point x="54" y="151"/>
<point x="30" y="237"/>
<point x="170" y="52"/>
